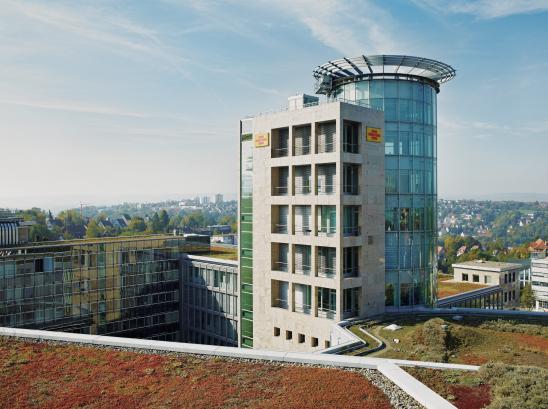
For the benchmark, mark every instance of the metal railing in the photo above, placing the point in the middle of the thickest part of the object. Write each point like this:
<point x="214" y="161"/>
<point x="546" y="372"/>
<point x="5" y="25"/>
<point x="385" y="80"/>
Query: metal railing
<point x="351" y="147"/>
<point x="303" y="308"/>
<point x="302" y="190"/>
<point x="303" y="230"/>
<point x="279" y="266"/>
<point x="303" y="269"/>
<point x="326" y="271"/>
<point x="280" y="190"/>
<point x="351" y="189"/>
<point x="280" y="152"/>
<point x="325" y="147"/>
<point x="350" y="231"/>
<point x="279" y="228"/>
<point x="301" y="150"/>
<point x="352" y="271"/>
<point x="280" y="303"/>
<point x="327" y="232"/>
<point x="326" y="189"/>
<point x="326" y="313"/>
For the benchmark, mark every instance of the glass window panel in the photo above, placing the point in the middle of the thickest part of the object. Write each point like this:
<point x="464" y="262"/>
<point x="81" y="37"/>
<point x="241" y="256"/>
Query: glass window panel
<point x="376" y="89"/>
<point x="405" y="89"/>
<point x="391" y="109"/>
<point x="391" y="89"/>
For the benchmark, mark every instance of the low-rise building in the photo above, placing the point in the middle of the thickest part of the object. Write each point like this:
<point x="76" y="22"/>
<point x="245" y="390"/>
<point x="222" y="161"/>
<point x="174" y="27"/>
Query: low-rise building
<point x="539" y="282"/>
<point x="13" y="230"/>
<point x="506" y="275"/>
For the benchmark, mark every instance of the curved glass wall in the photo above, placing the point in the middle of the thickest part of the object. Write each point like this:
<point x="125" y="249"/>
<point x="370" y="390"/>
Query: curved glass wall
<point x="411" y="183"/>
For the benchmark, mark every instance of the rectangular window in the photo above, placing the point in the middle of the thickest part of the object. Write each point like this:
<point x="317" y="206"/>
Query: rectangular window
<point x="464" y="277"/>
<point x="301" y="140"/>
<point x="325" y="132"/>
<point x="326" y="262"/>
<point x="475" y="278"/>
<point x="288" y="335"/>
<point x="351" y="137"/>
<point x="327" y="302"/>
<point x="351" y="261"/>
<point x="351" y="178"/>
<point x="276" y="331"/>
<point x="326" y="179"/>
<point x="327" y="220"/>
<point x="301" y="338"/>
<point x="313" y="342"/>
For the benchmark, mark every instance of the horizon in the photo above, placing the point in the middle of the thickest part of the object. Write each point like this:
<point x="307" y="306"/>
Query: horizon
<point x="103" y="101"/>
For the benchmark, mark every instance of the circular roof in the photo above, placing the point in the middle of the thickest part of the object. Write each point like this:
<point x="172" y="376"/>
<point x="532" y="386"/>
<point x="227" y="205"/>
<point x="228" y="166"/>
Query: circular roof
<point x="346" y="68"/>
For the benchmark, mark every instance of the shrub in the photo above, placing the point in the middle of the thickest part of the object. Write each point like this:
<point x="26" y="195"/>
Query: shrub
<point x="521" y="387"/>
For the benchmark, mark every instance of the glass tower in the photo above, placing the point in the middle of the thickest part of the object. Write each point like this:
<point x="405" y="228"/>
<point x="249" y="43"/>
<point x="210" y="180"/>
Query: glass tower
<point x="405" y="88"/>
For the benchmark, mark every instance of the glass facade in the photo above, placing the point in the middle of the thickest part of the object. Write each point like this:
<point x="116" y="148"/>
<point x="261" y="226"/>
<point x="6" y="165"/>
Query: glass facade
<point x="125" y="287"/>
<point x="411" y="187"/>
<point x="210" y="302"/>
<point x="246" y="233"/>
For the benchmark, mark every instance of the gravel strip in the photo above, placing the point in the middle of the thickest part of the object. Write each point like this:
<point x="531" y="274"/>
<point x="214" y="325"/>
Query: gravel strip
<point x="397" y="397"/>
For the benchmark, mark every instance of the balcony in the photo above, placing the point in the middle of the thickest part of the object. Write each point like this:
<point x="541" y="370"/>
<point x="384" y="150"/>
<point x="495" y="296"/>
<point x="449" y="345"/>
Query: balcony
<point x="303" y="308"/>
<point x="327" y="272"/>
<point x="279" y="228"/>
<point x="326" y="313"/>
<point x="326" y="189"/>
<point x="279" y="190"/>
<point x="280" y="266"/>
<point x="352" y="231"/>
<point x="303" y="230"/>
<point x="280" y="303"/>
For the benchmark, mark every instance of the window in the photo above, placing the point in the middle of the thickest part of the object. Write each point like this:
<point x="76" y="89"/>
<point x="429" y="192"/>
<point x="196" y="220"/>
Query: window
<point x="288" y="335"/>
<point x="351" y="216"/>
<point x="327" y="344"/>
<point x="514" y="276"/>
<point x="351" y="261"/>
<point x="326" y="261"/>
<point x="505" y="278"/>
<point x="351" y="174"/>
<point x="280" y="142"/>
<point x="302" y="298"/>
<point x="301" y="338"/>
<point x="302" y="180"/>
<point x="301" y="140"/>
<point x="327" y="299"/>
<point x="326" y="137"/>
<point x="475" y="278"/>
<point x="327" y="220"/>
<point x="276" y="331"/>
<point x="326" y="179"/>
<point x="487" y="279"/>
<point x="351" y="302"/>
<point x="313" y="342"/>
<point x="464" y="277"/>
<point x="351" y="137"/>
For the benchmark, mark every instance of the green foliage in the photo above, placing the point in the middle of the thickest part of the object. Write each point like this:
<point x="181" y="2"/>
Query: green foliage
<point x="516" y="386"/>
<point x="137" y="225"/>
<point x="515" y="327"/>
<point x="93" y="230"/>
<point x="527" y="298"/>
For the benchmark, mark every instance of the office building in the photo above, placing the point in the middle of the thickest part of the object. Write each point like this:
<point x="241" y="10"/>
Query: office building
<point x="210" y="304"/>
<point x="218" y="198"/>
<point x="311" y="222"/>
<point x="13" y="230"/>
<point x="121" y="286"/>
<point x="205" y="200"/>
<point x="406" y="89"/>
<point x="505" y="275"/>
<point x="539" y="282"/>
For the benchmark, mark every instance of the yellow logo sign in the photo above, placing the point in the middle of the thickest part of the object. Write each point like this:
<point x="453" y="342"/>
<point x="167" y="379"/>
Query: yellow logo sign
<point x="373" y="134"/>
<point x="262" y="139"/>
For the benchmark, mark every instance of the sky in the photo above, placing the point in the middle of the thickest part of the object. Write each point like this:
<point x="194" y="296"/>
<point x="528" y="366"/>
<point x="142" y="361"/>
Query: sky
<point x="106" y="101"/>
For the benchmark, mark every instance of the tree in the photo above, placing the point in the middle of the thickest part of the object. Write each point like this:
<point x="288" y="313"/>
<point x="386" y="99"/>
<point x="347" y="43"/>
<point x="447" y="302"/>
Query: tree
<point x="164" y="220"/>
<point x="93" y="230"/>
<point x="137" y="225"/>
<point x="527" y="297"/>
<point x="155" y="224"/>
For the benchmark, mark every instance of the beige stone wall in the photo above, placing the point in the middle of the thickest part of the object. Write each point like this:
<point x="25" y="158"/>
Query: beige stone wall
<point x="371" y="199"/>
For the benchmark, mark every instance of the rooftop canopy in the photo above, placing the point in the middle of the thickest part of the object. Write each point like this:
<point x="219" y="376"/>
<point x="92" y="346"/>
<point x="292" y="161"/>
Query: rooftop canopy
<point x="381" y="65"/>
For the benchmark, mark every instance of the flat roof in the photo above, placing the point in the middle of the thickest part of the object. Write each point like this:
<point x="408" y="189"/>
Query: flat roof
<point x="383" y="65"/>
<point x="495" y="266"/>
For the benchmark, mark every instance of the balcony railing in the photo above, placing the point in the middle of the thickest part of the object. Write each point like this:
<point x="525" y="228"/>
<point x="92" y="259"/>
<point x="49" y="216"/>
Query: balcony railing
<point x="301" y="150"/>
<point x="303" y="308"/>
<point x="350" y="231"/>
<point x="352" y="271"/>
<point x="326" y="313"/>
<point x="326" y="147"/>
<point x="351" y="189"/>
<point x="280" y="190"/>
<point x="351" y="147"/>
<point x="303" y="230"/>
<point x="326" y="271"/>
<point x="302" y="189"/>
<point x="279" y="152"/>
<point x="279" y="266"/>
<point x="279" y="228"/>
<point x="280" y="303"/>
<point x="303" y="269"/>
<point x="326" y="189"/>
<point x="327" y="232"/>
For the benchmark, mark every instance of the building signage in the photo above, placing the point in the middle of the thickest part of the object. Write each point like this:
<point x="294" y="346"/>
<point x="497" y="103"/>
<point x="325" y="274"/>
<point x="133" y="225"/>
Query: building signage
<point x="373" y="134"/>
<point x="262" y="139"/>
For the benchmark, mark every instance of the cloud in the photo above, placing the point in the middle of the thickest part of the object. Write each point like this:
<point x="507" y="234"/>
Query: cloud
<point x="100" y="26"/>
<point x="484" y="130"/>
<point x="485" y="9"/>
<point x="349" y="26"/>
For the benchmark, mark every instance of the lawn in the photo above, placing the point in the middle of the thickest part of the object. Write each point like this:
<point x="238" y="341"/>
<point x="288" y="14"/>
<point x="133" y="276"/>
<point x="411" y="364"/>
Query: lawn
<point x="69" y="376"/>
<point x="513" y="355"/>
<point x="224" y="253"/>
<point x="447" y="288"/>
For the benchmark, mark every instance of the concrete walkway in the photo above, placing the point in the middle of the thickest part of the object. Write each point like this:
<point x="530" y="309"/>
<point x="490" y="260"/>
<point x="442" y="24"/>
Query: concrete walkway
<point x="388" y="367"/>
